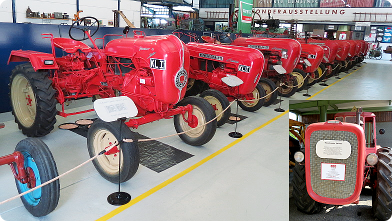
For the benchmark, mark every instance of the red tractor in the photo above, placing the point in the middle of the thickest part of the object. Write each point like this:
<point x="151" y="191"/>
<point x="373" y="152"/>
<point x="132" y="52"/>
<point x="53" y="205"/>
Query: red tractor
<point x="211" y="64"/>
<point x="282" y="56"/>
<point x="341" y="157"/>
<point x="309" y="62"/>
<point x="151" y="70"/>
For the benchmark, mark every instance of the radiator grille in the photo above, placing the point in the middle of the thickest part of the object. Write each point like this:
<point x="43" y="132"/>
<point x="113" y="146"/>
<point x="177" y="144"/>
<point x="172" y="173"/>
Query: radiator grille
<point x="331" y="188"/>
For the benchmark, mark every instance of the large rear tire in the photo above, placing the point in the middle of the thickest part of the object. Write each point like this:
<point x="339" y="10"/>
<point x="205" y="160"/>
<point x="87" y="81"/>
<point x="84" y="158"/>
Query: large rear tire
<point x="203" y="112"/>
<point x="103" y="134"/>
<point x="40" y="165"/>
<point x="269" y="86"/>
<point x="33" y="101"/>
<point x="382" y="194"/>
<point x="256" y="95"/>
<point x="302" y="199"/>
<point x="219" y="102"/>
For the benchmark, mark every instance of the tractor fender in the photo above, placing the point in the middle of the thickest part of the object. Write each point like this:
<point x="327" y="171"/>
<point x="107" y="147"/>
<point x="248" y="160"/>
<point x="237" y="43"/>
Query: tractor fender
<point x="39" y="60"/>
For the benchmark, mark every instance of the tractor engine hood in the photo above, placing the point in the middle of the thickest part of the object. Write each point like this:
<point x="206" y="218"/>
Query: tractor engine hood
<point x="165" y="55"/>
<point x="352" y="49"/>
<point x="247" y="63"/>
<point x="289" y="50"/>
<point x="330" y="49"/>
<point x="314" y="54"/>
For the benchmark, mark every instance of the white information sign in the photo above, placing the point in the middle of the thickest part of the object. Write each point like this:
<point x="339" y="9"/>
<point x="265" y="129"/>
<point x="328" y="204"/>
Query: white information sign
<point x="333" y="171"/>
<point x="232" y="81"/>
<point x="113" y="108"/>
<point x="280" y="69"/>
<point x="307" y="62"/>
<point x="333" y="149"/>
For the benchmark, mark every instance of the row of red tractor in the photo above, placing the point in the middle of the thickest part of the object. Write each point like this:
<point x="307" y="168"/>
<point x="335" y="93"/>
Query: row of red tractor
<point x="161" y="75"/>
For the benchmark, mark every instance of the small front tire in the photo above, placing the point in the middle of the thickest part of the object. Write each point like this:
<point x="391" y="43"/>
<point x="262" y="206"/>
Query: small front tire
<point x="103" y="134"/>
<point x="219" y="102"/>
<point x="257" y="95"/>
<point x="203" y="112"/>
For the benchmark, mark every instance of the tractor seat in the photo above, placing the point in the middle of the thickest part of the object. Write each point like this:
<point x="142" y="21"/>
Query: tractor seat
<point x="70" y="46"/>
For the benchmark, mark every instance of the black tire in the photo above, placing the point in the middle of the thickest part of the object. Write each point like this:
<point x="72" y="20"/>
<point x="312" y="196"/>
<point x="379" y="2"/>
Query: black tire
<point x="302" y="78"/>
<point x="195" y="87"/>
<point x="269" y="86"/>
<point x="382" y="194"/>
<point x="101" y="135"/>
<point x="314" y="77"/>
<point x="219" y="102"/>
<point x="289" y="88"/>
<point x="204" y="113"/>
<point x="301" y="197"/>
<point x="256" y="94"/>
<point x="33" y="101"/>
<point x="39" y="160"/>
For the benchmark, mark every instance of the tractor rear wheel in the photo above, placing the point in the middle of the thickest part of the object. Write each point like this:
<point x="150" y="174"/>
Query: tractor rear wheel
<point x="288" y="88"/>
<point x="33" y="100"/>
<point x="257" y="95"/>
<point x="302" y="80"/>
<point x="269" y="86"/>
<point x="103" y="134"/>
<point x="382" y="195"/>
<point x="219" y="102"/>
<point x="197" y="132"/>
<point x="40" y="167"/>
<point x="302" y="199"/>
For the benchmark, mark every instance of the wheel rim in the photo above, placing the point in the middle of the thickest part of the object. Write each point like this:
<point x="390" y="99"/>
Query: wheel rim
<point x="195" y="133"/>
<point x="23" y="101"/>
<point x="268" y="90"/>
<point x="34" y="197"/>
<point x="216" y="105"/>
<point x="109" y="163"/>
<point x="287" y="87"/>
<point x="320" y="72"/>
<point x="300" y="78"/>
<point x="255" y="95"/>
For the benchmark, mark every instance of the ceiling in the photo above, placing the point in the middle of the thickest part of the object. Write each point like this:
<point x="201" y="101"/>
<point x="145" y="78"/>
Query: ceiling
<point x="335" y="106"/>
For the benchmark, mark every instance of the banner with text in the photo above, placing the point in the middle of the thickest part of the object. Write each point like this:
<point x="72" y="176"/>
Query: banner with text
<point x="245" y="16"/>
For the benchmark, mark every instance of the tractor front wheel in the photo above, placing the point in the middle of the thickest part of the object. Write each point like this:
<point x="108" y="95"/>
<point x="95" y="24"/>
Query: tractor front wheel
<point x="103" y="134"/>
<point x="289" y="86"/>
<point x="257" y="96"/>
<point x="302" y="199"/>
<point x="33" y="101"/>
<point x="40" y="167"/>
<point x="269" y="86"/>
<point x="219" y="102"/>
<point x="197" y="132"/>
<point x="382" y="195"/>
<point x="302" y="78"/>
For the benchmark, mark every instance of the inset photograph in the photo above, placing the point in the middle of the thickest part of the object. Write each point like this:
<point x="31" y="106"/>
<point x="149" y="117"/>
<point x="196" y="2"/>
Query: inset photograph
<point x="340" y="160"/>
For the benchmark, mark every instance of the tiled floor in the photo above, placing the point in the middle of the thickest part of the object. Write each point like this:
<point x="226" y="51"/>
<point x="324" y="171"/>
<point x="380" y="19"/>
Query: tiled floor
<point x="226" y="179"/>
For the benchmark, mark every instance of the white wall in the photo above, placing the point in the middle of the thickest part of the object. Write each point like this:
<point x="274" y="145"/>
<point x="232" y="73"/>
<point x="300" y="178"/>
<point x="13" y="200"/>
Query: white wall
<point x="101" y="9"/>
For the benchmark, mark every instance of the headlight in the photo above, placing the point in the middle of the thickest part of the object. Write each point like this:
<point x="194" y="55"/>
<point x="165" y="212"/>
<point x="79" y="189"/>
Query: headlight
<point x="299" y="157"/>
<point x="372" y="159"/>
<point x="284" y="53"/>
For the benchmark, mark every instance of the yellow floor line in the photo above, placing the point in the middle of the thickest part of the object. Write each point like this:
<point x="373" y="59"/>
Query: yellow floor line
<point x="333" y="84"/>
<point x="186" y="171"/>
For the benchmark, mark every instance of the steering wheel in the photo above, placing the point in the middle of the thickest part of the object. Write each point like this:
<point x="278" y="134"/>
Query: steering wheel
<point x="89" y="24"/>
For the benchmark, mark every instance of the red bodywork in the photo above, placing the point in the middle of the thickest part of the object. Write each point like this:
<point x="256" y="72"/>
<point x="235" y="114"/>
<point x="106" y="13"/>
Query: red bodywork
<point x="276" y="51"/>
<point x="22" y="174"/>
<point x="211" y="62"/>
<point x="314" y="54"/>
<point x="367" y="143"/>
<point x="328" y="126"/>
<point x="343" y="50"/>
<point x="330" y="48"/>
<point x="151" y="70"/>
